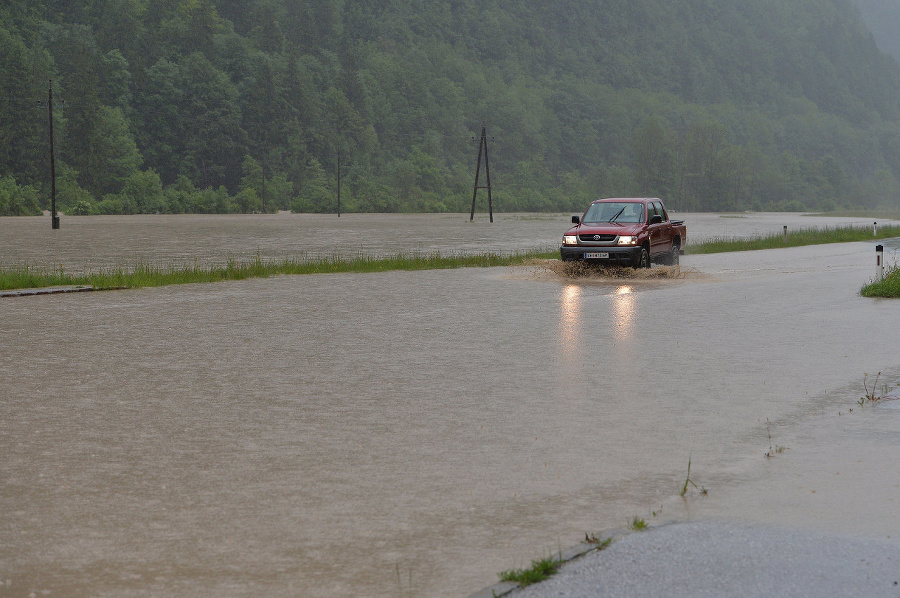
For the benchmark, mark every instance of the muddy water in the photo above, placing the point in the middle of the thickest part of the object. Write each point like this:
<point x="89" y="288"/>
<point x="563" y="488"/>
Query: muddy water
<point x="414" y="433"/>
<point x="96" y="242"/>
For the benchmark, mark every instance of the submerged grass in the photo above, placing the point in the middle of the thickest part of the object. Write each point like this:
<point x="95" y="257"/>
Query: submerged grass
<point x="887" y="287"/>
<point x="151" y="275"/>
<point x="638" y="524"/>
<point x="795" y="238"/>
<point x="689" y="481"/>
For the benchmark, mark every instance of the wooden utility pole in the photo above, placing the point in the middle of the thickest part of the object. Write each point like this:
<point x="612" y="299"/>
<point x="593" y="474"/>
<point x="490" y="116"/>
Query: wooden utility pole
<point x="54" y="219"/>
<point x="483" y="149"/>
<point x="339" y="183"/>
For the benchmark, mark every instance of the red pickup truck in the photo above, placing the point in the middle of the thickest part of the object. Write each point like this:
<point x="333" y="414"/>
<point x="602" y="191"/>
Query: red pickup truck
<point x="626" y="231"/>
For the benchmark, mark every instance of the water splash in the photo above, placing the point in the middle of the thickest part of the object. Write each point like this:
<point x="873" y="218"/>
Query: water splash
<point x="595" y="272"/>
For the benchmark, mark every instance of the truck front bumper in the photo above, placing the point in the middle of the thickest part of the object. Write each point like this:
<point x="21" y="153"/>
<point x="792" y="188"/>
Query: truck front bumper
<point x="614" y="255"/>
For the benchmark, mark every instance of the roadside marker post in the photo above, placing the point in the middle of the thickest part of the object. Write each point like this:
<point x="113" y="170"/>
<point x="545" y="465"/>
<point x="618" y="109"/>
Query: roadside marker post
<point x="875" y="229"/>
<point x="879" y="262"/>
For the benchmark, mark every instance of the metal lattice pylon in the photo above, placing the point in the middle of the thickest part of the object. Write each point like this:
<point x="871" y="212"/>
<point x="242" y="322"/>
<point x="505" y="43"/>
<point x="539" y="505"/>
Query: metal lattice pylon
<point x="483" y="149"/>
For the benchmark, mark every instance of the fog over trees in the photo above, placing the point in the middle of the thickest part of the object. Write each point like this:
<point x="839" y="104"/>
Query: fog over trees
<point x="171" y="106"/>
<point x="883" y="18"/>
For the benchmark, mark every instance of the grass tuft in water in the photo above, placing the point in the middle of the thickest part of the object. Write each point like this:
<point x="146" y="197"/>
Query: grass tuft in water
<point x="871" y="396"/>
<point x="772" y="451"/>
<point x="889" y="287"/>
<point x="689" y="481"/>
<point x="539" y="571"/>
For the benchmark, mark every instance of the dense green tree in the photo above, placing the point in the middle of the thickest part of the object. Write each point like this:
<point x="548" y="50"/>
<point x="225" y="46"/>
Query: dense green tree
<point x="211" y="123"/>
<point x="116" y="81"/>
<point x="114" y="154"/>
<point x="143" y="192"/>
<point x="202" y="23"/>
<point x="181" y="196"/>
<point x="78" y="60"/>
<point x="17" y="200"/>
<point x="24" y="125"/>
<point x="159" y="105"/>
<point x="315" y="194"/>
<point x="69" y="193"/>
<point x="267" y="33"/>
<point x="118" y="26"/>
<point x="273" y="193"/>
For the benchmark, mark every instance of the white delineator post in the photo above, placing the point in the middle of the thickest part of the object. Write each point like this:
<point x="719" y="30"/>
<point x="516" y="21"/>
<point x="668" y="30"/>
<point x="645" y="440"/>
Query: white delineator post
<point x="879" y="262"/>
<point x="875" y="229"/>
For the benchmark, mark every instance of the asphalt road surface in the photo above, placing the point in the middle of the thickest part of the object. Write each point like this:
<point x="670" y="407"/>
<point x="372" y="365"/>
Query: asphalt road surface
<point x="728" y="559"/>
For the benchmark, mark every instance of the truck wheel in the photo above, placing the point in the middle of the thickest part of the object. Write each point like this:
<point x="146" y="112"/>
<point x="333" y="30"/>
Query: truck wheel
<point x="643" y="260"/>
<point x="674" y="258"/>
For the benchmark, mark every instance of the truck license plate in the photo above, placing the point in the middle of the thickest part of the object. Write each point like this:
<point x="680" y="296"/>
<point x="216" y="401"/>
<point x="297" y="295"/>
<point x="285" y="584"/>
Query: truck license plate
<point x="596" y="255"/>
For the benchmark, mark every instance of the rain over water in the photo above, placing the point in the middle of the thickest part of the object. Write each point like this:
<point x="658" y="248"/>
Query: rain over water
<point x="414" y="433"/>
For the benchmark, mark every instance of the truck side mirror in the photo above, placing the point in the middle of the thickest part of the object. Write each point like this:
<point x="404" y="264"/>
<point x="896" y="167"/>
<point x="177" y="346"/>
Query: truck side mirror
<point x="656" y="219"/>
<point x="576" y="220"/>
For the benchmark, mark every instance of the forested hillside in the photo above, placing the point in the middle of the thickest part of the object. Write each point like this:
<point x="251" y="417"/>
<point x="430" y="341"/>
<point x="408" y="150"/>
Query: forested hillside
<point x="247" y="105"/>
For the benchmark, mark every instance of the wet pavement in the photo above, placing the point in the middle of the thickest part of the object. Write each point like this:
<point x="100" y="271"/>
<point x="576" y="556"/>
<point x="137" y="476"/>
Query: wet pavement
<point x="713" y="558"/>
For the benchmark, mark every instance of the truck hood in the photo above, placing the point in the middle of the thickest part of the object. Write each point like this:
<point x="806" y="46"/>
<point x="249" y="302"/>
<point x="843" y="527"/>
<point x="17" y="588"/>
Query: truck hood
<point x="606" y="228"/>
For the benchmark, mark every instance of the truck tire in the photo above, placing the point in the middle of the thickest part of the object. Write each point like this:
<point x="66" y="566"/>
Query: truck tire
<point x="674" y="258"/>
<point x="643" y="259"/>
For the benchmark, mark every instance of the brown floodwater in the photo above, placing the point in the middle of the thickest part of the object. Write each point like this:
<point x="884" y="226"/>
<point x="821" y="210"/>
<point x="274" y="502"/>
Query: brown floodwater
<point x="414" y="433"/>
<point x="97" y="242"/>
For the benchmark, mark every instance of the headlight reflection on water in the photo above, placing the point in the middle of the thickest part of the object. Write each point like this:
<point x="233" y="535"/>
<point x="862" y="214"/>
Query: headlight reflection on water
<point x="623" y="308"/>
<point x="570" y="321"/>
<point x="623" y="313"/>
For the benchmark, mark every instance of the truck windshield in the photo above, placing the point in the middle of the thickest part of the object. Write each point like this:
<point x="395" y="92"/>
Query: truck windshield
<point x="624" y="211"/>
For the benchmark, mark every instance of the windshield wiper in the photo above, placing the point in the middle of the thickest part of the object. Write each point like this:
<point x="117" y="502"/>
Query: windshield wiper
<point x="619" y="213"/>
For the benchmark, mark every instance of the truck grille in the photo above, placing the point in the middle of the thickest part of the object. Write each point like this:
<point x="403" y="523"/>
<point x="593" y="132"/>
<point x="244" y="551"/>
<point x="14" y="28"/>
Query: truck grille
<point x="597" y="238"/>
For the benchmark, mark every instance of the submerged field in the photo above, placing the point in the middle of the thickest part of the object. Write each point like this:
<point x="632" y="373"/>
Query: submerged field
<point x="794" y="238"/>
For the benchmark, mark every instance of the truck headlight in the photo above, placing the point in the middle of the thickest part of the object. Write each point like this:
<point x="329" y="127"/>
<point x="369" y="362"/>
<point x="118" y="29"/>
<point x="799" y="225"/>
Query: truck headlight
<point x="626" y="240"/>
<point x="570" y="240"/>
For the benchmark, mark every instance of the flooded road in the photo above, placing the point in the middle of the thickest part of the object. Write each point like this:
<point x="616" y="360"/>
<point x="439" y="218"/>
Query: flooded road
<point x="414" y="433"/>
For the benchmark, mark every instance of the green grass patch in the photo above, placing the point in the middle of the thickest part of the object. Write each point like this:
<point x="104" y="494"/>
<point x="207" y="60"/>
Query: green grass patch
<point x="149" y="275"/>
<point x="539" y="571"/>
<point x="888" y="287"/>
<point x="795" y="238"/>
